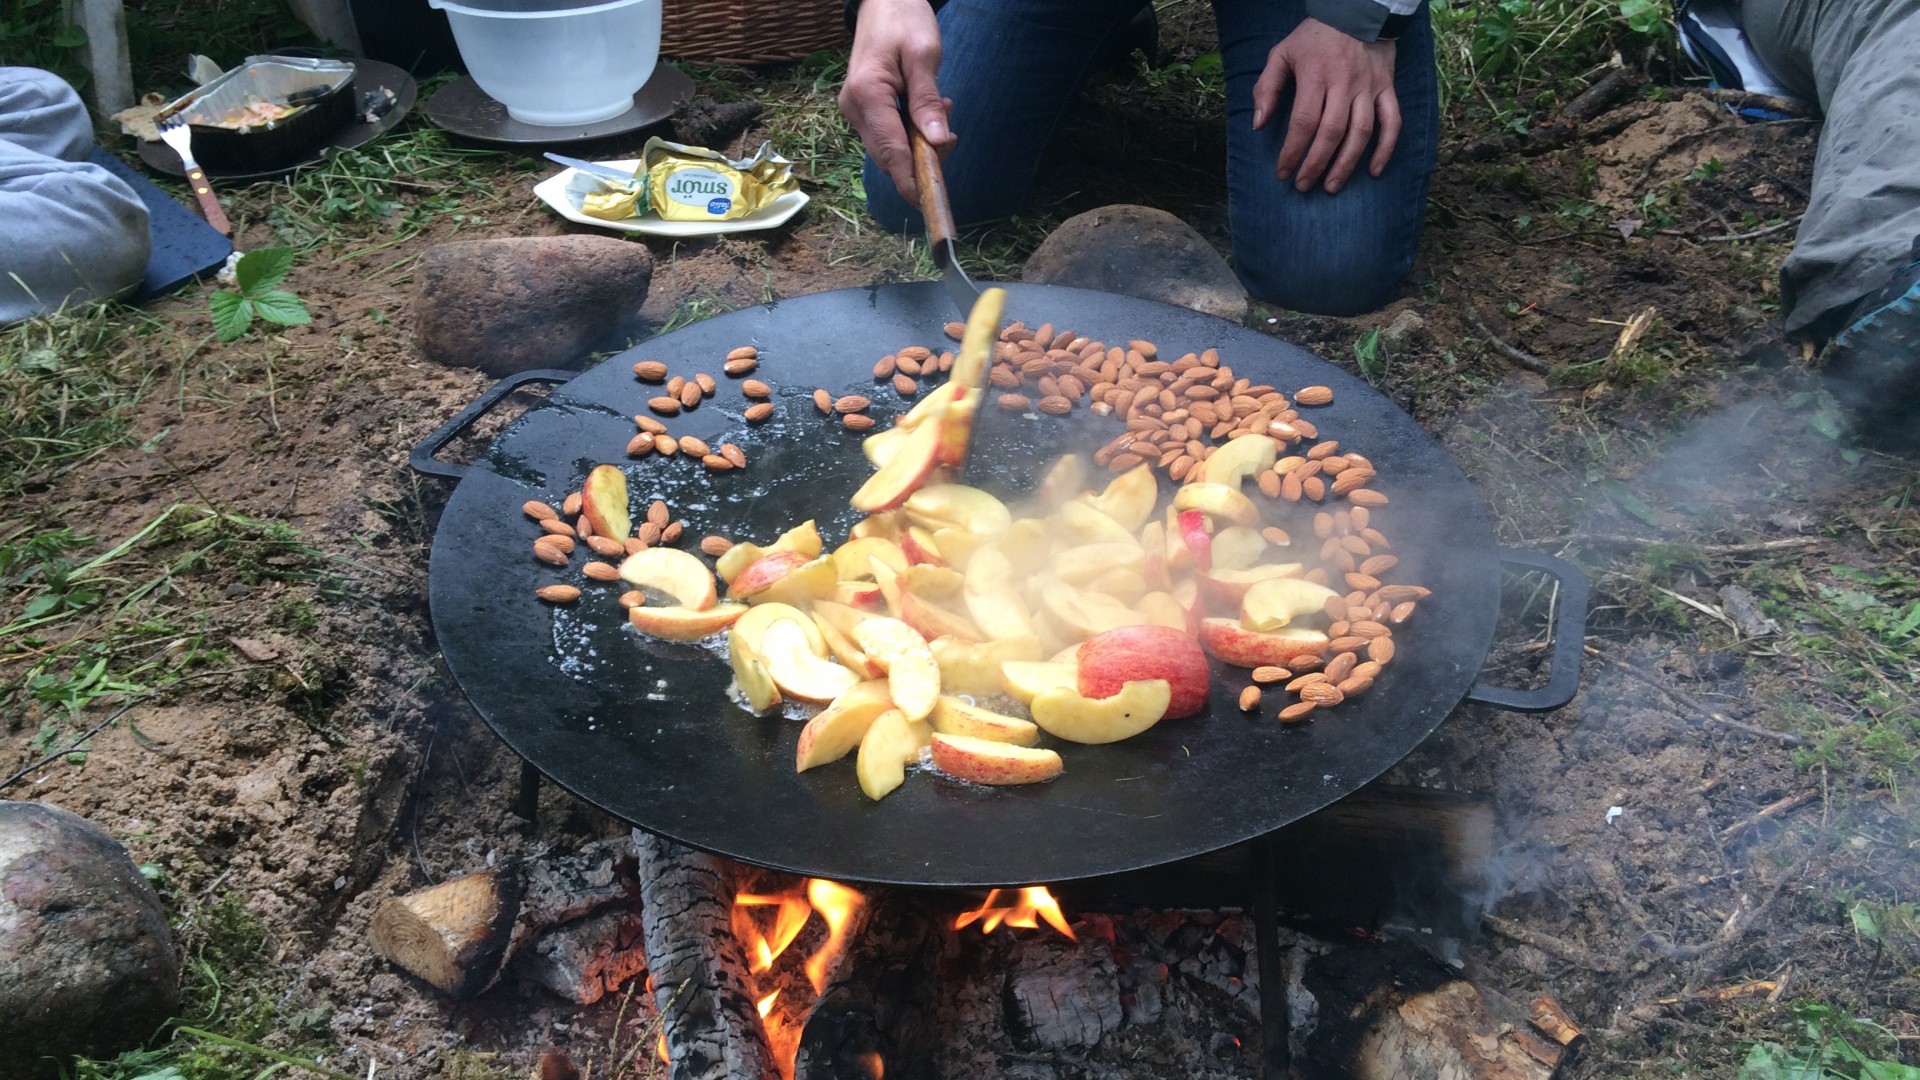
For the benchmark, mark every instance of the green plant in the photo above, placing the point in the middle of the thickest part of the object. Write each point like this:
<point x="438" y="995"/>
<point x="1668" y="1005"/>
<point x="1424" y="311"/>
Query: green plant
<point x="1825" y="1050"/>
<point x="36" y="33"/>
<point x="1369" y="353"/>
<point x="255" y="277"/>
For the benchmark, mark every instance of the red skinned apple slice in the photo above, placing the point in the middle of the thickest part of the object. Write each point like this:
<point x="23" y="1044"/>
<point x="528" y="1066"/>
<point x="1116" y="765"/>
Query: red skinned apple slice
<point x="1153" y="540"/>
<point x="912" y="673"/>
<point x="842" y="648"/>
<point x="1240" y="458"/>
<point x="974" y="667"/>
<point x="1129" y="497"/>
<point x="1109" y="661"/>
<point x="933" y="620"/>
<point x="891" y="742"/>
<point x="737" y="559"/>
<point x="1065" y="713"/>
<point x="952" y="716"/>
<point x="959" y="506"/>
<point x="990" y="597"/>
<point x="889" y="583"/>
<point x="750" y="673"/>
<point x="843" y="617"/>
<point x="880" y="446"/>
<point x="673" y="623"/>
<point x="900" y="477"/>
<point x="1026" y="546"/>
<point x="930" y="407"/>
<point x="1236" y="548"/>
<point x="1277" y="602"/>
<point x="920" y="547"/>
<point x="811" y="580"/>
<point x="957" y="546"/>
<point x="983" y="761"/>
<point x="753" y="626"/>
<point x="939" y="583"/>
<point x="1066" y="478"/>
<point x="1085" y="614"/>
<point x="834" y="731"/>
<point x="673" y="572"/>
<point x="864" y="595"/>
<point x="603" y="502"/>
<point x="850" y="558"/>
<point x="758" y="575"/>
<point x="803" y="538"/>
<point x="1027" y="679"/>
<point x="796" y="669"/>
<point x="1192" y="536"/>
<point x="1227" y="588"/>
<point x="1221" y="502"/>
<point x="1228" y="640"/>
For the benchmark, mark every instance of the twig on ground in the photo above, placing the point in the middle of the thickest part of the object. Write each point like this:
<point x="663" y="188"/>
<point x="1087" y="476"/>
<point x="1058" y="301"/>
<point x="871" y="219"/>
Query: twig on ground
<point x="1741" y="99"/>
<point x="1519" y="356"/>
<point x="1757" y="547"/>
<point x="1685" y="701"/>
<point x="1547" y="943"/>
<point x="1771" y="810"/>
<point x="1724" y="238"/>
<point x="1587" y="105"/>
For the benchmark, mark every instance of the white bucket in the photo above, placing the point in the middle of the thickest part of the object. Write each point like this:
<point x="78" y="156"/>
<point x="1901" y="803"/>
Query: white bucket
<point x="555" y="65"/>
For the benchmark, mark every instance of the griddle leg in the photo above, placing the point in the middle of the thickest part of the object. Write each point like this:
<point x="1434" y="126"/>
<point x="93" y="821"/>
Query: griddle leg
<point x="1275" y="1053"/>
<point x="527" y="804"/>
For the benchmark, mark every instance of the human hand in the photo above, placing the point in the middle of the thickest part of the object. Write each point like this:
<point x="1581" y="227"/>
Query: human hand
<point x="895" y="58"/>
<point x="1342" y="94"/>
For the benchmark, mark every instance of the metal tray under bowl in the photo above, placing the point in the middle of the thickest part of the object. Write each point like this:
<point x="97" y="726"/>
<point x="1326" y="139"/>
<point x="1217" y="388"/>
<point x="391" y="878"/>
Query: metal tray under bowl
<point x="323" y="84"/>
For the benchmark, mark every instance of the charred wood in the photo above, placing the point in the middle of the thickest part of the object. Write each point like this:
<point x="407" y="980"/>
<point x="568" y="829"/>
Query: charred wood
<point x="1062" y="993"/>
<point x="585" y="960"/>
<point x="700" y="985"/>
<point x="880" y="999"/>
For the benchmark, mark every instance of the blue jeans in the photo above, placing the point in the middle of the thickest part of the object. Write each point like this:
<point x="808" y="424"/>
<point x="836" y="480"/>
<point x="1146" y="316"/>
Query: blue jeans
<point x="1013" y="66"/>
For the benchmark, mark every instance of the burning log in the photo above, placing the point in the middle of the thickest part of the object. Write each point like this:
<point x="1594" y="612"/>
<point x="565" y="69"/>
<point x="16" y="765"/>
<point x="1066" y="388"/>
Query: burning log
<point x="878" y="1003"/>
<point x="1063" y="993"/>
<point x="586" y="960"/>
<point x="1446" y="1032"/>
<point x="459" y="935"/>
<point x="709" y="1017"/>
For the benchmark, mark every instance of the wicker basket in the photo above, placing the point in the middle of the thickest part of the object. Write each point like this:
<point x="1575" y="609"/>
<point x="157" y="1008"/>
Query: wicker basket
<point x="750" y="31"/>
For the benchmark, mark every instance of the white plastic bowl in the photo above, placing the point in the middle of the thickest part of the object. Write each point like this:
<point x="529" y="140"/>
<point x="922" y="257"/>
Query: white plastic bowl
<point x="557" y="65"/>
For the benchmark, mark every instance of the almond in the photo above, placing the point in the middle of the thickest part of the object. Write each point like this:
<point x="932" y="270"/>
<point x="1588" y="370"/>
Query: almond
<point x="1351" y="478"/>
<point x="756" y="389"/>
<point x="715" y="545"/>
<point x="851" y="403"/>
<point x="737" y="368"/>
<point x="1379" y="564"/>
<point x="1362" y="581"/>
<point x="744" y="352"/>
<point x="635" y="545"/>
<point x="1249" y="699"/>
<point x="649" y="425"/>
<point x="693" y="447"/>
<point x="1313" y="487"/>
<point x="907" y="363"/>
<point x="857" y="422"/>
<point x="640" y="445"/>
<point x="1296" y="711"/>
<point x="734" y="454"/>
<point x="905" y="386"/>
<point x="1004" y="377"/>
<point x="1322" y="693"/>
<point x="1401" y="612"/>
<point x="1146" y="349"/>
<point x="665" y="406"/>
<point x="675" y="385"/>
<point x="1380" y="650"/>
<point x="549" y="554"/>
<point x="1015" y="402"/>
<point x="1357" y="545"/>
<point x="1125" y="461"/>
<point x="557" y="594"/>
<point x="582" y="528"/>
<point x="883" y="368"/>
<point x="1055" y="405"/>
<point x="538" y="510"/>
<point x="823" y="401"/>
<point x="671" y="534"/>
<point x="1290" y="488"/>
<point x="1269" y="674"/>
<point x="601" y="571"/>
<point x="633" y="598"/>
<point x="945" y="362"/>
<point x="650" y="371"/>
<point x="556" y="527"/>
<point x="658" y="514"/>
<point x="715" y="462"/>
<point x="759" y="413"/>
<point x="1340" y="667"/>
<point x="690" y="395"/>
<point x="956" y="330"/>
<point x="1354" y="686"/>
<point x="648" y="534"/>
<point x="1313" y="395"/>
<point x="665" y="445"/>
<point x="707" y="386"/>
<point x="606" y="546"/>
<point x="1307" y="429"/>
<point x="1366" y="497"/>
<point x="571" y="505"/>
<point x="1273" y="534"/>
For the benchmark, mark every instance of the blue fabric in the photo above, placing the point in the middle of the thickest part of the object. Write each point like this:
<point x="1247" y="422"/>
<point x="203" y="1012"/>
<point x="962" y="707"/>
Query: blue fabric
<point x="1013" y="66"/>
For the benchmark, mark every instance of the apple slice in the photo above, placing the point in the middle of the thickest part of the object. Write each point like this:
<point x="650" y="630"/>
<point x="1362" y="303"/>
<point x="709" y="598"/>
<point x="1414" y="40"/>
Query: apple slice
<point x="990" y="597"/>
<point x="674" y="623"/>
<point x="959" y="506"/>
<point x="968" y="667"/>
<point x="1240" y="458"/>
<point x="1122" y="583"/>
<point x="864" y="595"/>
<point x="844" y="617"/>
<point x="758" y="576"/>
<point x="889" y="583"/>
<point x="930" y="407"/>
<point x="901" y="476"/>
<point x="842" y="648"/>
<point x="603" y="502"/>
<point x="1228" y="640"/>
<point x="1153" y="540"/>
<point x="920" y="547"/>
<point x="1227" y="588"/>
<point x="934" y="582"/>
<point x="957" y="546"/>
<point x="1085" y="614"/>
<point x="977" y="341"/>
<point x="850" y="560"/>
<point x="1236" y="548"/>
<point x="890" y="743"/>
<point x="1223" y="503"/>
<point x="750" y="673"/>
<point x="1065" y="713"/>
<point x="885" y="525"/>
<point x="1082" y="524"/>
<point x="1189" y="540"/>
<point x="1065" y="478"/>
<point x="1277" y="602"/>
<point x="1027" y="679"/>
<point x="912" y="673"/>
<point x="1129" y="497"/>
<point x="752" y="626"/>
<point x="1026" y="545"/>
<point x="952" y="716"/>
<point x="1111" y="661"/>
<point x="933" y="620"/>
<point x="811" y="580"/>
<point x="797" y="670"/>
<point x="803" y="538"/>
<point x="737" y="559"/>
<point x="836" y="730"/>
<point x="1161" y="609"/>
<point x="1079" y="565"/>
<point x="956" y="428"/>
<point x="677" y="573"/>
<point x="880" y="446"/>
<point x="983" y="761"/>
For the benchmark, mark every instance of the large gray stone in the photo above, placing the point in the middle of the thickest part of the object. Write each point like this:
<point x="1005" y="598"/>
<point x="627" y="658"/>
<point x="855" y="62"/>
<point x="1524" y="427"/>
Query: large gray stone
<point x="1138" y="251"/>
<point x="86" y="962"/>
<point x="520" y="303"/>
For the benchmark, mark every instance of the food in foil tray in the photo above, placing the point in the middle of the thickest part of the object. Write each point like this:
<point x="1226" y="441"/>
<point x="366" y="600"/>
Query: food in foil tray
<point x="676" y="182"/>
<point x="253" y="111"/>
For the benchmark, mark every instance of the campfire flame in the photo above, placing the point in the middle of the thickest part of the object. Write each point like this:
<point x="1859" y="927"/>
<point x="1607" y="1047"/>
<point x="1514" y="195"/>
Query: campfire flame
<point x="766" y="938"/>
<point x="836" y="903"/>
<point x="1033" y="904"/>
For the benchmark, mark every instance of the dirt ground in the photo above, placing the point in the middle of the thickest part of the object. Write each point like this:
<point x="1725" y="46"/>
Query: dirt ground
<point x="338" y="765"/>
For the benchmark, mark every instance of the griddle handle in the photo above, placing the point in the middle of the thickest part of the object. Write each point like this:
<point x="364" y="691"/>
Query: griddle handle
<point x="421" y="458"/>
<point x="1569" y="639"/>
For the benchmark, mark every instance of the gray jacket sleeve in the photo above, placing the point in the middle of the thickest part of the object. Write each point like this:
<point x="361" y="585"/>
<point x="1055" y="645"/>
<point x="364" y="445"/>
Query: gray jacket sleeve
<point x="1359" y="18"/>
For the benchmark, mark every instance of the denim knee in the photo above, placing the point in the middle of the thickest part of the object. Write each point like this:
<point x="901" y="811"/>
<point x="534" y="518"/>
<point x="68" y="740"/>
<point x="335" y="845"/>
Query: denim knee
<point x="1347" y="281"/>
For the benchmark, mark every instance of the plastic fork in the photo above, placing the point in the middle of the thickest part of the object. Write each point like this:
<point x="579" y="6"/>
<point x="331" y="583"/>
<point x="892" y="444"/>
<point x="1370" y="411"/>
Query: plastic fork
<point x="175" y="133"/>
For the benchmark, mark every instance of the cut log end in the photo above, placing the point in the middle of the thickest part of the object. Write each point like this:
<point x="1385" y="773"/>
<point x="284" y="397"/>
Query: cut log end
<point x="454" y="935"/>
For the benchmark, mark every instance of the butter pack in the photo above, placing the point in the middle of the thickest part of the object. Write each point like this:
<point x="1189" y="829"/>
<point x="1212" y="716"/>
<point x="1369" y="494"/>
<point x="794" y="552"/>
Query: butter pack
<point x="677" y="182"/>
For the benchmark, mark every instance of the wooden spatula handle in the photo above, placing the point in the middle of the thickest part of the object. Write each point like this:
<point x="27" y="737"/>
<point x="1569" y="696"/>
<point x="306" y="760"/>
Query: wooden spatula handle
<point x="209" y="206"/>
<point x="934" y="204"/>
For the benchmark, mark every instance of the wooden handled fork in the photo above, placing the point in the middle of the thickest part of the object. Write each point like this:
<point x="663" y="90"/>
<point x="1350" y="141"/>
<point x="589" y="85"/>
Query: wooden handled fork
<point x="175" y="133"/>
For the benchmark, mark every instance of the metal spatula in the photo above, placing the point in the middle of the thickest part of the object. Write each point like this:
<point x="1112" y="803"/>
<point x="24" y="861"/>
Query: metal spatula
<point x="938" y="212"/>
<point x="174" y="132"/>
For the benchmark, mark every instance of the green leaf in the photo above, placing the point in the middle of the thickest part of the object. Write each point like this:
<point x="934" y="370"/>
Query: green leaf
<point x="258" y="271"/>
<point x="232" y="314"/>
<point x="1631" y="503"/>
<point x="1863" y="922"/>
<point x="69" y="37"/>
<point x="281" y="306"/>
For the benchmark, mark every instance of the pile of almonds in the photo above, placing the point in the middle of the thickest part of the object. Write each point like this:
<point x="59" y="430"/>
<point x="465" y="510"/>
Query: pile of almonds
<point x="684" y="394"/>
<point x="560" y="529"/>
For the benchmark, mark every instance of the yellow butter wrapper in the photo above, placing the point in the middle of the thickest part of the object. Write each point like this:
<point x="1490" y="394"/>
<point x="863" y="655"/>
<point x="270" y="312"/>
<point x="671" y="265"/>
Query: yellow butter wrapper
<point x="692" y="183"/>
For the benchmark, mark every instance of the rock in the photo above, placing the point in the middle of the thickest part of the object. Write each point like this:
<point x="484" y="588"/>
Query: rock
<point x="1138" y="251"/>
<point x="1406" y="327"/>
<point x="713" y="124"/>
<point x="86" y="961"/>
<point x="520" y="303"/>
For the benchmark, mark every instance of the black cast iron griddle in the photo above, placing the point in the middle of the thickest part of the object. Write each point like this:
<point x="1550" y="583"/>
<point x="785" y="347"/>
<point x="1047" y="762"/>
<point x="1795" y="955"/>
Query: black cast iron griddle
<point x="646" y="730"/>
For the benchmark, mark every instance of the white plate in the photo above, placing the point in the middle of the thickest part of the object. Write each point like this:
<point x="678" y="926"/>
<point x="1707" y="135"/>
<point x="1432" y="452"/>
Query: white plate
<point x="553" y="192"/>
